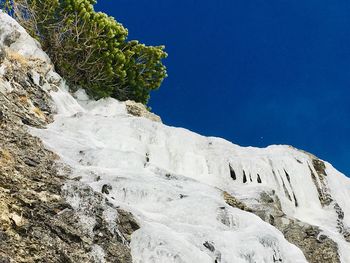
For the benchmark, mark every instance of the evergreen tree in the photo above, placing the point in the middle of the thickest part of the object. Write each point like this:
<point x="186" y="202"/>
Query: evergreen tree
<point x="90" y="49"/>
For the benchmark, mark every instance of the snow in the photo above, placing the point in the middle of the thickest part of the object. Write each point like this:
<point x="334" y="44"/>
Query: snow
<point x="24" y="45"/>
<point x="172" y="180"/>
<point x="98" y="254"/>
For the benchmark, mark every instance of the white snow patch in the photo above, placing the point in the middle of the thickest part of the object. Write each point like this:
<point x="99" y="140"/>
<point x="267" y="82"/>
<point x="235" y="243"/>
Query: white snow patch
<point x="98" y="254"/>
<point x="25" y="44"/>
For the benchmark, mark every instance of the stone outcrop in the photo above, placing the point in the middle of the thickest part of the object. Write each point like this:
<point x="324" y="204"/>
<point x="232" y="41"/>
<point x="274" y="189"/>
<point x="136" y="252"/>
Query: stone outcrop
<point x="316" y="246"/>
<point x="234" y="202"/>
<point x="140" y="110"/>
<point x="38" y="221"/>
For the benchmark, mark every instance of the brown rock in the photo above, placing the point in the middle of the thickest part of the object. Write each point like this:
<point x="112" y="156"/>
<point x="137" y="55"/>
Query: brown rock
<point x="140" y="110"/>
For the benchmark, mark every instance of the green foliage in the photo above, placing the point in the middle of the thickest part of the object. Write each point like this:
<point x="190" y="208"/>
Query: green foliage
<point x="91" y="50"/>
<point x="144" y="70"/>
<point x="6" y="5"/>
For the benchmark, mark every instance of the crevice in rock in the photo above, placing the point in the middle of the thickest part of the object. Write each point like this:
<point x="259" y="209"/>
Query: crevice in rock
<point x="232" y="173"/>
<point x="323" y="195"/>
<point x="244" y="177"/>
<point x="295" y="200"/>
<point x="258" y="179"/>
<point x="291" y="187"/>
<point x="287" y="175"/>
<point x="286" y="190"/>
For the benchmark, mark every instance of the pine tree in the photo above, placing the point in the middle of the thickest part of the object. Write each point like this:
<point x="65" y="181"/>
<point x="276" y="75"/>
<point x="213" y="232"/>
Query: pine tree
<point x="90" y="49"/>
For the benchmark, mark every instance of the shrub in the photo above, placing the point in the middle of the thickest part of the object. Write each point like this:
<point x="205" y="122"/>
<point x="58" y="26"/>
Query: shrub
<point x="90" y="49"/>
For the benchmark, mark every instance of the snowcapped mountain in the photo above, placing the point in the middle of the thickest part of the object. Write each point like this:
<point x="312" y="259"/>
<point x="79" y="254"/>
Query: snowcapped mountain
<point x="196" y="199"/>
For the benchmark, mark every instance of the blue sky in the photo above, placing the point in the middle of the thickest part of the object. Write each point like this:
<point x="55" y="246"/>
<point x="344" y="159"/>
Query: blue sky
<point x="253" y="72"/>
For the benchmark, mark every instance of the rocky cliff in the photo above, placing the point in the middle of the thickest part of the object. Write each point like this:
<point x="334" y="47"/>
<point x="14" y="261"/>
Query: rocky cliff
<point x="37" y="224"/>
<point x="106" y="181"/>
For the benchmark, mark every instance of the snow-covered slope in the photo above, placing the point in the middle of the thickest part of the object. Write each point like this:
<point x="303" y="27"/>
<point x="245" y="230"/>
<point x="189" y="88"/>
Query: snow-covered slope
<point x="175" y="182"/>
<point x="172" y="180"/>
<point x="169" y="179"/>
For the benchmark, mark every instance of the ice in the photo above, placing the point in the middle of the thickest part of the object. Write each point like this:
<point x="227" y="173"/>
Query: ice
<point x="171" y="179"/>
<point x="24" y="45"/>
<point x="97" y="254"/>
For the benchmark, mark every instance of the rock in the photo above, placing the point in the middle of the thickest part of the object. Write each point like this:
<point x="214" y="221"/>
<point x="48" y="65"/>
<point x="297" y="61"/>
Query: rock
<point x="127" y="223"/>
<point x="234" y="202"/>
<point x="31" y="162"/>
<point x="4" y="259"/>
<point x="319" y="166"/>
<point x="209" y="246"/>
<point x="16" y="219"/>
<point x="316" y="247"/>
<point x="2" y="55"/>
<point x="106" y="188"/>
<point x="37" y="221"/>
<point x="140" y="110"/>
<point x="11" y="38"/>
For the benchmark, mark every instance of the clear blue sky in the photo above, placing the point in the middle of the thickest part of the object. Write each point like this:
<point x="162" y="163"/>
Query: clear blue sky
<point x="253" y="72"/>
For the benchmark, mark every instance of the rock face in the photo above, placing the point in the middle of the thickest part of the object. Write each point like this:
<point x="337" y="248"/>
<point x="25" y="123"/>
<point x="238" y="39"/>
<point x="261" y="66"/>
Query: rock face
<point x="309" y="238"/>
<point x="37" y="222"/>
<point x="316" y="246"/>
<point x="139" y="110"/>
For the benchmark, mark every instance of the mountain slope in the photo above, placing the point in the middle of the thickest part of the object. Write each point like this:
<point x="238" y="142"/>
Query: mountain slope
<point x="36" y="222"/>
<point x="197" y="199"/>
